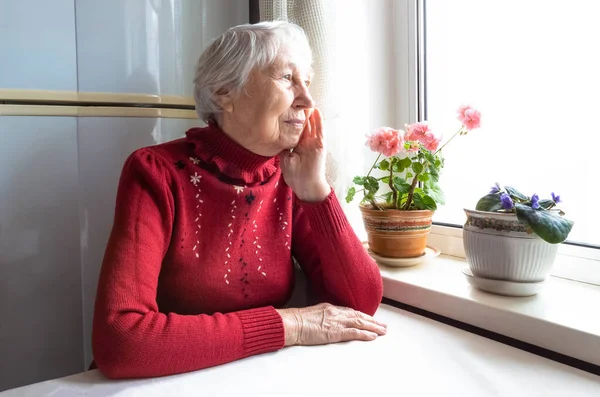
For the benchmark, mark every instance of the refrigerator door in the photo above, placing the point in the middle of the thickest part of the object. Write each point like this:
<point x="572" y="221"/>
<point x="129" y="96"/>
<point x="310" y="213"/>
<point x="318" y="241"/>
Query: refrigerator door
<point x="148" y="46"/>
<point x="104" y="145"/>
<point x="37" y="43"/>
<point x="41" y="331"/>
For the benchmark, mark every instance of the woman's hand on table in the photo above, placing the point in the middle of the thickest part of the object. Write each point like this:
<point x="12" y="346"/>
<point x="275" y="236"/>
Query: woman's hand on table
<point x="304" y="168"/>
<point x="326" y="323"/>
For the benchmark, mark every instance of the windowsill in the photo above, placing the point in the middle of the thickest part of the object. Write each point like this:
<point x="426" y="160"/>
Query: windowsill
<point x="562" y="317"/>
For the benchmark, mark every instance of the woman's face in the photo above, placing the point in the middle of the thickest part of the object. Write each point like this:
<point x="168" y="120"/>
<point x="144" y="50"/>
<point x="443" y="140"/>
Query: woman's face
<point x="269" y="114"/>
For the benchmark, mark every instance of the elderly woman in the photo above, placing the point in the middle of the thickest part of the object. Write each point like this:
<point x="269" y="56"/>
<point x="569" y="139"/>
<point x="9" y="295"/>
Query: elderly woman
<point x="199" y="261"/>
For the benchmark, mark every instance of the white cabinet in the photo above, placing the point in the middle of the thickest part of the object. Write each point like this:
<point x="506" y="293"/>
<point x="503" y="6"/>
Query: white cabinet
<point x="148" y="46"/>
<point x="37" y="45"/>
<point x="41" y="329"/>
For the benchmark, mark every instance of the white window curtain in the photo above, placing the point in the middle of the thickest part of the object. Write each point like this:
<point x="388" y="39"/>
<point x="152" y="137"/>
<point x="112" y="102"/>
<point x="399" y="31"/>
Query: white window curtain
<point x="317" y="18"/>
<point x="356" y="70"/>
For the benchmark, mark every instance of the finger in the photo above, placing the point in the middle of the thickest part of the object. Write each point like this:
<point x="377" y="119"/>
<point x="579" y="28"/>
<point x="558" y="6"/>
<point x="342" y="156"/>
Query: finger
<point x="308" y="113"/>
<point x="365" y="316"/>
<point x="313" y="124"/>
<point x="307" y="133"/>
<point x="349" y="334"/>
<point x="318" y="117"/>
<point x="366" y="325"/>
<point x="300" y="146"/>
<point x="307" y="117"/>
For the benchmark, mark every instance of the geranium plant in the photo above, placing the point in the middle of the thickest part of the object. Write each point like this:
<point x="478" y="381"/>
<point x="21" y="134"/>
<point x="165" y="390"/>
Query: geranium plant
<point x="541" y="215"/>
<point x="411" y="165"/>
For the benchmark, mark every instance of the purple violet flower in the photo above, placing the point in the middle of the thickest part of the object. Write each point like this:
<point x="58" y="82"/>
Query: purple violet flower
<point x="555" y="198"/>
<point x="507" y="202"/>
<point x="535" y="201"/>
<point x="495" y="189"/>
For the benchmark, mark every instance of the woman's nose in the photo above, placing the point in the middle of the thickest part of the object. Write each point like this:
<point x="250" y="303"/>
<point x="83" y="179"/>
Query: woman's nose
<point x="303" y="98"/>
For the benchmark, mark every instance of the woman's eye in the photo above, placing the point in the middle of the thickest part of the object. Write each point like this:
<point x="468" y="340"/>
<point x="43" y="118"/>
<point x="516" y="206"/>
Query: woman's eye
<point x="287" y="77"/>
<point x="307" y="82"/>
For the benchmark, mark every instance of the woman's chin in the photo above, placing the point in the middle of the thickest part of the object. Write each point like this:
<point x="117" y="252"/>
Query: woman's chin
<point x="292" y="140"/>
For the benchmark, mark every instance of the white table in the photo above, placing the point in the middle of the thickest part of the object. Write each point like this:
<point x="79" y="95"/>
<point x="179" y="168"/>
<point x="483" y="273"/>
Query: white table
<point x="418" y="357"/>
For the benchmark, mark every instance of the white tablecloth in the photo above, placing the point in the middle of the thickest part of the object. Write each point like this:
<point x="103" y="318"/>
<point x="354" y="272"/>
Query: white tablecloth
<point x="418" y="357"/>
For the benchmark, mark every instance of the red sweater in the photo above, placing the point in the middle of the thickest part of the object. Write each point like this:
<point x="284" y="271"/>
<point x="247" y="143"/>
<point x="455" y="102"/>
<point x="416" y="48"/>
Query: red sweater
<point x="201" y="252"/>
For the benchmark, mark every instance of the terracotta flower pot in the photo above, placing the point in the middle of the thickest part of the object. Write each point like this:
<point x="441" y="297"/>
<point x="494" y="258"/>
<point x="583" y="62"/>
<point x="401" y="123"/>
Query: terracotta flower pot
<point x="397" y="234"/>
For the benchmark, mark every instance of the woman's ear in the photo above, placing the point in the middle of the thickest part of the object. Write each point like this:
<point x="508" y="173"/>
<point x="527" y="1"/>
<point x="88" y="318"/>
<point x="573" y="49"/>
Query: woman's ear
<point x="225" y="100"/>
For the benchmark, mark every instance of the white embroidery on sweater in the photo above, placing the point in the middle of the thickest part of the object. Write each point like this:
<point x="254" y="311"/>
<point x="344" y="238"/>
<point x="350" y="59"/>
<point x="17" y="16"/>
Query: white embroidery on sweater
<point x="238" y="189"/>
<point x="195" y="180"/>
<point x="283" y="225"/>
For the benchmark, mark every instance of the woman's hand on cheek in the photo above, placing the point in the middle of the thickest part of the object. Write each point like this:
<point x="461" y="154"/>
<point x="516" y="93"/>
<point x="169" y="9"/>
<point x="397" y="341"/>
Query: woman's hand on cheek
<point x="304" y="168"/>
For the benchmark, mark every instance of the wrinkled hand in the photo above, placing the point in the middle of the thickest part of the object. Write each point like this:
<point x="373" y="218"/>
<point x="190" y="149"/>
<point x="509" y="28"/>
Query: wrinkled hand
<point x="326" y="323"/>
<point x="304" y="168"/>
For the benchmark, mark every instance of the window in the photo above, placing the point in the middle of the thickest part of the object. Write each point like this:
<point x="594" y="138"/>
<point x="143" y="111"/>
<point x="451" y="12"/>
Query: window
<point x="532" y="69"/>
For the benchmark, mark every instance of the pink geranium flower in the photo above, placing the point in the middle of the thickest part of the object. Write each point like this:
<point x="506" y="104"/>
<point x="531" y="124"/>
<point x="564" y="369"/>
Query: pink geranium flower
<point x="417" y="132"/>
<point x="470" y="117"/>
<point x="385" y="140"/>
<point x="432" y="142"/>
<point x="420" y="132"/>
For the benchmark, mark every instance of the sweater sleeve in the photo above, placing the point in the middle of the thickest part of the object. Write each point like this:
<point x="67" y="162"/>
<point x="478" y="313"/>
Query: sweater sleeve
<point x="131" y="338"/>
<point x="333" y="258"/>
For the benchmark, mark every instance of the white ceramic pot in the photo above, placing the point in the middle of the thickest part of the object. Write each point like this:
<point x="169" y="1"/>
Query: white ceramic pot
<point x="498" y="246"/>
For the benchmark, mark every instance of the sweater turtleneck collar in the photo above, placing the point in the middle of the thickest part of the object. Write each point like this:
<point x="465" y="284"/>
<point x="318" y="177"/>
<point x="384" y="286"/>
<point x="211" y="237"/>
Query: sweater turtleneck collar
<point x="217" y="149"/>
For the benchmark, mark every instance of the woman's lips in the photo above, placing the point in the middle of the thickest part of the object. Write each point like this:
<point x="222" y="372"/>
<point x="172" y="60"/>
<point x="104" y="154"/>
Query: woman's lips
<point x="296" y="123"/>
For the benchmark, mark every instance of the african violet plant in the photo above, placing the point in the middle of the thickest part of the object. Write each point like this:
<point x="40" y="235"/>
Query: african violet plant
<point x="541" y="215"/>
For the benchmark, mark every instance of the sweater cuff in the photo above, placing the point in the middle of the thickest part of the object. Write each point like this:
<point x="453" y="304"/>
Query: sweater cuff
<point x="263" y="330"/>
<point x="327" y="216"/>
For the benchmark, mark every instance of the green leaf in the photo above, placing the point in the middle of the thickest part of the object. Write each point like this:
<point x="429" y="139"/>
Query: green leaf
<point x="388" y="197"/>
<point x="434" y="174"/>
<point x="423" y="177"/>
<point x="401" y="185"/>
<point x="384" y="165"/>
<point x="409" y="175"/>
<point x="350" y="195"/>
<point x="430" y="157"/>
<point x="490" y="202"/>
<point x="550" y="226"/>
<point x="401" y="164"/>
<point x="435" y="192"/>
<point x="546" y="204"/>
<point x="424" y="202"/>
<point x="417" y="167"/>
<point x="359" y="180"/>
<point x="372" y="185"/>
<point x="515" y="194"/>
<point x="406" y="162"/>
<point x="385" y="179"/>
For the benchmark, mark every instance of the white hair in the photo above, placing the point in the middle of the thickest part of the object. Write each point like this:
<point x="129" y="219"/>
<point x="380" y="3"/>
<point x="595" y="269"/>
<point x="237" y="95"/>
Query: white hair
<point x="225" y="65"/>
